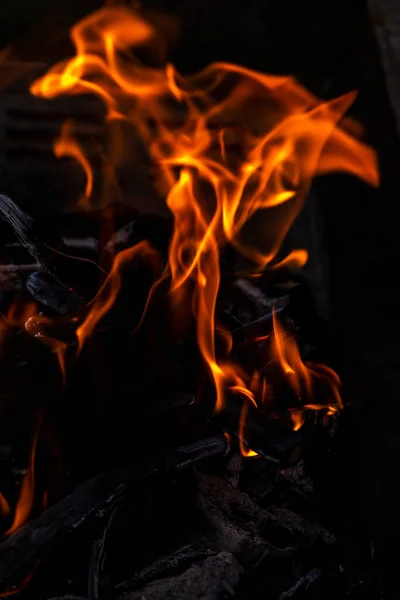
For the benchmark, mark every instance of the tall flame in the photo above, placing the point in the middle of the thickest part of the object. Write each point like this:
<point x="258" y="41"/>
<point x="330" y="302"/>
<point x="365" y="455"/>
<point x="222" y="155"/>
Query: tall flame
<point x="236" y="151"/>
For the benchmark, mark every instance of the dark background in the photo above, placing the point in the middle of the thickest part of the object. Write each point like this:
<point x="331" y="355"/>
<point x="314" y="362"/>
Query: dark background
<point x="329" y="46"/>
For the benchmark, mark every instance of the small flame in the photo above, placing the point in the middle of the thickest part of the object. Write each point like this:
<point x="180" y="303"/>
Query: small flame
<point x="246" y="452"/>
<point x="21" y="586"/>
<point x="67" y="145"/>
<point x="5" y="508"/>
<point x="106" y="296"/>
<point x="288" y="356"/>
<point x="27" y="493"/>
<point x="297" y="417"/>
<point x="301" y="377"/>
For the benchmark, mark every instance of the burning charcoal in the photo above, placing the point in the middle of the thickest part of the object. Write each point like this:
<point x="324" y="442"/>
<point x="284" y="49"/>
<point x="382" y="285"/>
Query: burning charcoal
<point x="89" y="243"/>
<point x="209" y="580"/>
<point x="49" y="292"/>
<point x="266" y="436"/>
<point x="298" y="479"/>
<point x="82" y="275"/>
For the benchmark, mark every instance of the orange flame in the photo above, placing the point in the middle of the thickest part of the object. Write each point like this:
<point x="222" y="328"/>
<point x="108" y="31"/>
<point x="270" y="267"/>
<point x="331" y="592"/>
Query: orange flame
<point x="246" y="452"/>
<point x="67" y="145"/>
<point x="236" y="151"/>
<point x="300" y="376"/>
<point x="108" y="292"/>
<point x="26" y="495"/>
<point x="297" y="417"/>
<point x="5" y="508"/>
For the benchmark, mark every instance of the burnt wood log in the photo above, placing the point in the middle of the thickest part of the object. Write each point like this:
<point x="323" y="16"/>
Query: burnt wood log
<point x="91" y="500"/>
<point x="82" y="275"/>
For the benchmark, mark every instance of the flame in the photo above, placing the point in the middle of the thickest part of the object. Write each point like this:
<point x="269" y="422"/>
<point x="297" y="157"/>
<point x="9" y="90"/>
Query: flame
<point x="301" y="377"/>
<point x="21" y="586"/>
<point x="246" y="452"/>
<point x="67" y="145"/>
<point x="5" y="508"/>
<point x="26" y="495"/>
<point x="235" y="152"/>
<point x="297" y="417"/>
<point x="106" y="296"/>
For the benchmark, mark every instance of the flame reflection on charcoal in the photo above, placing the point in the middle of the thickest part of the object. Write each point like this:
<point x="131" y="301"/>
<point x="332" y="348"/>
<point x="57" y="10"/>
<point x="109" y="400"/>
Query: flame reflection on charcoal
<point x="235" y="150"/>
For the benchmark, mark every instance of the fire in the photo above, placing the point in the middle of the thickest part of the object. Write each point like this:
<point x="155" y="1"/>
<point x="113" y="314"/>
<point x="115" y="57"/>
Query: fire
<point x="236" y="150"/>
<point x="26" y="495"/>
<point x="5" y="508"/>
<point x="302" y="377"/>
<point x="246" y="452"/>
<point x="106" y="296"/>
<point x="67" y="145"/>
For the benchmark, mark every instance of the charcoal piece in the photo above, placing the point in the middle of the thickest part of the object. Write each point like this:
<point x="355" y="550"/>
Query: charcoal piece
<point x="211" y="579"/>
<point x="52" y="294"/>
<point x="280" y="528"/>
<point x="266" y="436"/>
<point x="91" y="500"/>
<point x="173" y="563"/>
<point x="298" y="525"/>
<point x="12" y="277"/>
<point x="82" y="275"/>
<point x="298" y="479"/>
